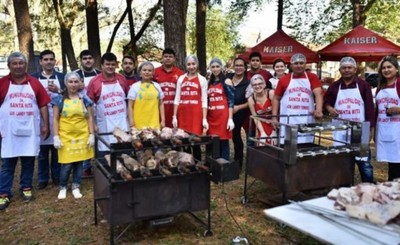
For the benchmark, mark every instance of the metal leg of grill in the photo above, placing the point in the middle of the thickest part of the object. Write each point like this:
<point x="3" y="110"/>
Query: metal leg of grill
<point x="95" y="211"/>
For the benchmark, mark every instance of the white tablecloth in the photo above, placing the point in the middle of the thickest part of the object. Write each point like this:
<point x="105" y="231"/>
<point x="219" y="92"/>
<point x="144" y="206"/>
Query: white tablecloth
<point x="328" y="231"/>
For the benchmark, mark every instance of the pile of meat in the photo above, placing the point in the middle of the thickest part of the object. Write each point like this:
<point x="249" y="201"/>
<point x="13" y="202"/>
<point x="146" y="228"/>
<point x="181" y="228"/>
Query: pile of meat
<point x="378" y="203"/>
<point x="155" y="136"/>
<point x="163" y="162"/>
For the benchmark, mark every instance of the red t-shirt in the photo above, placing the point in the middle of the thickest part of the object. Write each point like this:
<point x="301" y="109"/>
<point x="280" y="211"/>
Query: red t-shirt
<point x="167" y="81"/>
<point x="285" y="80"/>
<point x="41" y="94"/>
<point x="264" y="73"/>
<point x="94" y="87"/>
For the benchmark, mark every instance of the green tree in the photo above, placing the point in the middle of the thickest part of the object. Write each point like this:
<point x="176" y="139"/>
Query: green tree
<point x="321" y="22"/>
<point x="222" y="34"/>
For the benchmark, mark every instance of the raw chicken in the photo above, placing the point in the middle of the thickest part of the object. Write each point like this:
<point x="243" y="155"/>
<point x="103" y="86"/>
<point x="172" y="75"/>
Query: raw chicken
<point x="376" y="203"/>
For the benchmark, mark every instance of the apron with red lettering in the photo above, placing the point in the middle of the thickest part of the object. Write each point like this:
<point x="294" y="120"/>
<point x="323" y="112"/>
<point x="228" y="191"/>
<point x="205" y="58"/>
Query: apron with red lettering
<point x="218" y="112"/>
<point x="266" y="109"/>
<point x="20" y="122"/>
<point x="168" y="88"/>
<point x="297" y="100"/>
<point x="190" y="113"/>
<point x="350" y="106"/>
<point x="45" y="83"/>
<point x="387" y="127"/>
<point x="111" y="112"/>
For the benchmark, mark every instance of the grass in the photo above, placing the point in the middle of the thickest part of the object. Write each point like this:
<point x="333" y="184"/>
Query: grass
<point x="47" y="220"/>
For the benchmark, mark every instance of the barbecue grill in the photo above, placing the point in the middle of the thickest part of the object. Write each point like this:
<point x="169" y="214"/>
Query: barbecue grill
<point x="324" y="162"/>
<point x="150" y="197"/>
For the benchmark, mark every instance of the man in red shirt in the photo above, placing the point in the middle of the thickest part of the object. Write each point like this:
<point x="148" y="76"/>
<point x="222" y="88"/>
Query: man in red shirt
<point x="23" y="101"/>
<point x="108" y="90"/>
<point x="294" y="95"/>
<point x="255" y="68"/>
<point x="167" y="75"/>
<point x="129" y="69"/>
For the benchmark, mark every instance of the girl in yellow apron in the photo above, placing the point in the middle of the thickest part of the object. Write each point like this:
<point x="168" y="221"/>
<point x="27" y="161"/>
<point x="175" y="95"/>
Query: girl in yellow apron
<point x="145" y="101"/>
<point x="73" y="133"/>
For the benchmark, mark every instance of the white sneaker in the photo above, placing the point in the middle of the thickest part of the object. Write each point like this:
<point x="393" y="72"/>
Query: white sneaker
<point x="77" y="193"/>
<point x="62" y="194"/>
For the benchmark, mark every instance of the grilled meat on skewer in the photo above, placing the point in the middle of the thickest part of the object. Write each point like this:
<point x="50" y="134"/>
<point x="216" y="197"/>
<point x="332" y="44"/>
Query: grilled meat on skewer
<point x="121" y="135"/>
<point x="121" y="170"/>
<point x="135" y="138"/>
<point x="130" y="163"/>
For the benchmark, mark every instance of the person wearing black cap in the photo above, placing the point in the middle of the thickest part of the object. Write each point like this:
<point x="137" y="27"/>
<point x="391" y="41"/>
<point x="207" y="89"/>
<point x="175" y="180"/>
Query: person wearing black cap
<point x="351" y="98"/>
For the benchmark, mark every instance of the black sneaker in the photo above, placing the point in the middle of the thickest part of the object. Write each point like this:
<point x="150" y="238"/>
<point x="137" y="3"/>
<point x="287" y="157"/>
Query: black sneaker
<point x="4" y="202"/>
<point x="42" y="185"/>
<point x="27" y="195"/>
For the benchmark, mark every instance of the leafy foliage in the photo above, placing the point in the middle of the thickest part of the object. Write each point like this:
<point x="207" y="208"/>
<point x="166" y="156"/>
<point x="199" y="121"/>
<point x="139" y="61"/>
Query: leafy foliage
<point x="221" y="33"/>
<point x="321" y="22"/>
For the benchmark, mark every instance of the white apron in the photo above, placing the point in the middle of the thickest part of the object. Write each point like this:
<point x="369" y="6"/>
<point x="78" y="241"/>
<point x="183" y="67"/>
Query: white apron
<point x="387" y="127"/>
<point x="45" y="83"/>
<point x="86" y="81"/>
<point x="111" y="112"/>
<point x="297" y="99"/>
<point x="20" y="122"/>
<point x="350" y="106"/>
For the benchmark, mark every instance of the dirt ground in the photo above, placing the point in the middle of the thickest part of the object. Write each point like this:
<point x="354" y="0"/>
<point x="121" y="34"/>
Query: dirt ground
<point x="47" y="220"/>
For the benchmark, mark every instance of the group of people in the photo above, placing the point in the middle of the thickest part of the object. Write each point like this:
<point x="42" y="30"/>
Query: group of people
<point x="52" y="113"/>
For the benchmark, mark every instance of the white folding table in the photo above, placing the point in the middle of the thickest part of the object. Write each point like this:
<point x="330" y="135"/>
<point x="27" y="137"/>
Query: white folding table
<point x="334" y="229"/>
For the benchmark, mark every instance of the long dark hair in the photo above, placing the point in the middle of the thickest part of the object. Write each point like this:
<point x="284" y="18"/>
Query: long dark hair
<point x="213" y="79"/>
<point x="382" y="80"/>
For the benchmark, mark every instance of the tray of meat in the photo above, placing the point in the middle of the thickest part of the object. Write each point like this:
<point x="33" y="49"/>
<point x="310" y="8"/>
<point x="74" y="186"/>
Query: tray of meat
<point x="377" y="203"/>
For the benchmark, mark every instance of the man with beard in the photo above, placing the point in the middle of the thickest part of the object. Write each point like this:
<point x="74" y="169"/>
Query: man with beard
<point x="87" y="72"/>
<point x="129" y="69"/>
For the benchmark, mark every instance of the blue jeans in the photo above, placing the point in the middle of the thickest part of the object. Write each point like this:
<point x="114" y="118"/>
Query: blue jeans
<point x="8" y="170"/>
<point x="65" y="171"/>
<point x="366" y="169"/>
<point x="224" y="149"/>
<point x="43" y="164"/>
<point x="86" y="165"/>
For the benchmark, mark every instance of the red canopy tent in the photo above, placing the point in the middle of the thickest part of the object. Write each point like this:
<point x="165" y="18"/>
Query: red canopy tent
<point x="280" y="45"/>
<point x="361" y="44"/>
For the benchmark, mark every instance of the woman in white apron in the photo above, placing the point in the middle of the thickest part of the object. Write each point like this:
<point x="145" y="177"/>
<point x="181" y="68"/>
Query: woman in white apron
<point x="73" y="133"/>
<point x="387" y="137"/>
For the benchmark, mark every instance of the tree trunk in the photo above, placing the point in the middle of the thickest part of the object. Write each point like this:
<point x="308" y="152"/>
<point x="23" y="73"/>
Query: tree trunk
<point x="68" y="49"/>
<point x="280" y="14"/>
<point x="25" y="38"/>
<point x="92" y="29"/>
<point x="357" y="11"/>
<point x="201" y="10"/>
<point x="175" y="28"/>
<point x="115" y="30"/>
